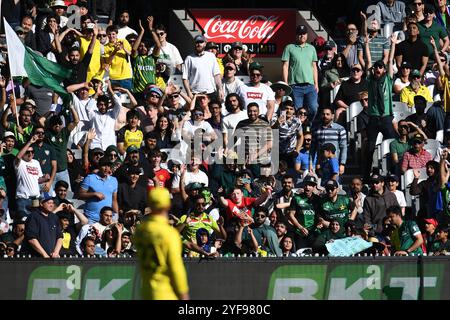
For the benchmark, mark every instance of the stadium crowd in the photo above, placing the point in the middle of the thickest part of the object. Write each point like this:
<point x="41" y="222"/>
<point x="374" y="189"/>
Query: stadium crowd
<point x="254" y="168"/>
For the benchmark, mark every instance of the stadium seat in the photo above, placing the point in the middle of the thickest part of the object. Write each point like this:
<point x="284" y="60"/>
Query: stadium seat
<point x="354" y="109"/>
<point x="406" y="179"/>
<point x="398" y="106"/>
<point x="440" y="136"/>
<point x="177" y="80"/>
<point x="400" y="115"/>
<point x="244" y="79"/>
<point x="78" y="153"/>
<point x="383" y="152"/>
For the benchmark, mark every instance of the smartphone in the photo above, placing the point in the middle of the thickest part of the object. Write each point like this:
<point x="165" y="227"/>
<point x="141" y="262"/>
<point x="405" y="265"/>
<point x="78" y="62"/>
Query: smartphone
<point x="90" y="25"/>
<point x="283" y="113"/>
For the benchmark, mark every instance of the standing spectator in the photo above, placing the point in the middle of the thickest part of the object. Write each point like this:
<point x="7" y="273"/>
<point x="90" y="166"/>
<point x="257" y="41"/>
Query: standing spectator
<point x="418" y="7"/>
<point x="300" y="72"/>
<point x="413" y="50"/>
<point x="376" y="204"/>
<point x="230" y="83"/>
<point x="442" y="15"/>
<point x="362" y="121"/>
<point x="161" y="174"/>
<point x="303" y="211"/>
<point x="169" y="52"/>
<point x="329" y="166"/>
<point x="133" y="159"/>
<point x="431" y="29"/>
<point x="22" y="130"/>
<point x="392" y="11"/>
<point x="257" y="92"/>
<point x="378" y="45"/>
<point x="201" y="73"/>
<point x="116" y="56"/>
<point x="290" y="133"/>
<point x="430" y="198"/>
<point x="124" y="30"/>
<point x="392" y="182"/>
<point x="240" y="58"/>
<point x="415" y="89"/>
<point x="30" y="36"/>
<point x="131" y="134"/>
<point x="381" y="117"/>
<point x="43" y="235"/>
<point x="233" y="104"/>
<point x="29" y="176"/>
<point x="328" y="131"/>
<point x="144" y="64"/>
<point x="46" y="156"/>
<point x="416" y="157"/>
<point x="99" y="190"/>
<point x="131" y="195"/>
<point x="104" y="11"/>
<point x="283" y="199"/>
<point x="282" y="93"/>
<point x="214" y="48"/>
<point x="410" y="237"/>
<point x="57" y="137"/>
<point x="350" y="51"/>
<point x="349" y="91"/>
<point x="95" y="66"/>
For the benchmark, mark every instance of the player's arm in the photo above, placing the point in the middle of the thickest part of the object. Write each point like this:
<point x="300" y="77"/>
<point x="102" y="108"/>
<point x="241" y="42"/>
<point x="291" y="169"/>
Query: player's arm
<point x="176" y="267"/>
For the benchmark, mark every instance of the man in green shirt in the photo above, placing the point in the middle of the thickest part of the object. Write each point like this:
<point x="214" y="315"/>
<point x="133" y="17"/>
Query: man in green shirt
<point x="57" y="136"/>
<point x="444" y="218"/>
<point x="410" y="236"/>
<point x="429" y="28"/>
<point x="335" y="206"/>
<point x="399" y="146"/>
<point x="302" y="213"/>
<point x="22" y="131"/>
<point x="144" y="66"/>
<point x="380" y="80"/>
<point x="299" y="69"/>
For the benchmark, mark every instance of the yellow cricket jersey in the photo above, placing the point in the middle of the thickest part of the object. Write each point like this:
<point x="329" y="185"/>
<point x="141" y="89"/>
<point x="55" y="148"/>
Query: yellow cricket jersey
<point x="95" y="66"/>
<point x="161" y="264"/>
<point x="407" y="95"/>
<point x="444" y="81"/>
<point x="120" y="69"/>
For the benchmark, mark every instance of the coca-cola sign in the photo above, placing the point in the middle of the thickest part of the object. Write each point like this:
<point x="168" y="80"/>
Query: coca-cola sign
<point x="248" y="26"/>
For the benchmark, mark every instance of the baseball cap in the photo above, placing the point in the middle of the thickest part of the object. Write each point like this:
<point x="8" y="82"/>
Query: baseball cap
<point x="132" y="149"/>
<point x="199" y="38"/>
<point x="211" y="45"/>
<point x="392" y="177"/>
<point x="309" y="180"/>
<point x="236" y="44"/>
<point x="19" y="28"/>
<point x="230" y="64"/>
<point x="431" y="221"/>
<point x="415" y="73"/>
<point x="8" y="134"/>
<point x="406" y="64"/>
<point x="58" y="3"/>
<point x="301" y="29"/>
<point x="256" y="66"/>
<point x="376" y="178"/>
<point x="194" y="186"/>
<point x="156" y="90"/>
<point x="158" y="198"/>
<point x="418" y="137"/>
<point x="97" y="150"/>
<point x="329" y="45"/>
<point x="331" y="184"/>
<point x="380" y="63"/>
<point x="46" y="197"/>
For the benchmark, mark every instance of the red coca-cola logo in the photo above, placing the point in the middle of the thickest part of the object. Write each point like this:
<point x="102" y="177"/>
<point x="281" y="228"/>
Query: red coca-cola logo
<point x="255" y="28"/>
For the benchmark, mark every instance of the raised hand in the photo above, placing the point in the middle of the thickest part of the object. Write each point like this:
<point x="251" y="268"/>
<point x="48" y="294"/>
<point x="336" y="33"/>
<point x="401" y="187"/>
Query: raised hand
<point x="150" y="22"/>
<point x="140" y="26"/>
<point x="394" y="38"/>
<point x="432" y="42"/>
<point x="91" y="134"/>
<point x="362" y="15"/>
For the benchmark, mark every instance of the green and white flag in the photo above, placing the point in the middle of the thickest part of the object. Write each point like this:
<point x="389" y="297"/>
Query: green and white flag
<point x="24" y="62"/>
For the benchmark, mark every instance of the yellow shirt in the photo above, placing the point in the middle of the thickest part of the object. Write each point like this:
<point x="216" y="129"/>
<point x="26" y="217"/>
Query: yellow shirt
<point x="119" y="69"/>
<point x="444" y="81"/>
<point x="407" y="95"/>
<point x="159" y="252"/>
<point x="95" y="66"/>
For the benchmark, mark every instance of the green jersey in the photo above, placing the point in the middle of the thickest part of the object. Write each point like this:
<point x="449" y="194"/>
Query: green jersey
<point x="445" y="192"/>
<point x="408" y="232"/>
<point x="22" y="139"/>
<point x="144" y="70"/>
<point x="305" y="211"/>
<point x="59" y="144"/>
<point x="338" y="210"/>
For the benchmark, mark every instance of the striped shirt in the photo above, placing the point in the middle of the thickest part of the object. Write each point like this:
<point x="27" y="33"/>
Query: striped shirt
<point x="256" y="134"/>
<point x="377" y="46"/>
<point x="288" y="132"/>
<point x="144" y="71"/>
<point x="335" y="134"/>
<point x="415" y="160"/>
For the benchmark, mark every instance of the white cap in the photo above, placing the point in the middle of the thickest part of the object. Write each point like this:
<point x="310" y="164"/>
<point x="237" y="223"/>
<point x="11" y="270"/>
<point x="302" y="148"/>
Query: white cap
<point x="8" y="134"/>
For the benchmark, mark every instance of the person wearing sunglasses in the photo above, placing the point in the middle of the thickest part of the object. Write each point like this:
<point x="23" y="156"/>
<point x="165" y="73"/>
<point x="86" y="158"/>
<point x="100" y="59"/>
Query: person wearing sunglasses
<point x="429" y="28"/>
<point x="168" y="52"/>
<point x="392" y="11"/>
<point x="45" y="154"/>
<point x="403" y="77"/>
<point x="349" y="92"/>
<point x="414" y="89"/>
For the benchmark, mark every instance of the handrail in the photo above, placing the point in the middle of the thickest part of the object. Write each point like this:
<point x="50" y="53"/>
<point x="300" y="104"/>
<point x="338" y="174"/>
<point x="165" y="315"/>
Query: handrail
<point x="196" y="23"/>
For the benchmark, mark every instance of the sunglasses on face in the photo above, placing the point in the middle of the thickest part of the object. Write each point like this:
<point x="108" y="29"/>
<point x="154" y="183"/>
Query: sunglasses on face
<point x="356" y="70"/>
<point x="161" y="34"/>
<point x="328" y="189"/>
<point x="174" y="96"/>
<point x="29" y="152"/>
<point x="198" y="114"/>
<point x="365" y="99"/>
<point x="102" y="35"/>
<point x="307" y="140"/>
<point x="113" y="155"/>
<point x="229" y="68"/>
<point x="418" y="3"/>
<point x="40" y="132"/>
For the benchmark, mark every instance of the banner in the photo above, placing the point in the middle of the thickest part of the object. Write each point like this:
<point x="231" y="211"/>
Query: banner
<point x="262" y="32"/>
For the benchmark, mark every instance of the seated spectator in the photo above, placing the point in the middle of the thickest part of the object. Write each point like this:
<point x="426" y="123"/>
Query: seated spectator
<point x="302" y="160"/>
<point x="328" y="235"/>
<point x="280" y="230"/>
<point x="415" y="88"/>
<point x="329" y="167"/>
<point x="419" y="118"/>
<point x="392" y="182"/>
<point x="403" y="80"/>
<point x="349" y="91"/>
<point x="112" y="239"/>
<point x="399" y="146"/>
<point x="333" y="76"/>
<point x="410" y="237"/>
<point x="287" y="246"/>
<point x="131" y="133"/>
<point x="264" y="234"/>
<point x="239" y="57"/>
<point x="429" y="237"/>
<point x="16" y="235"/>
<point x="88" y="248"/>
<point x="230" y="83"/>
<point x="441" y="246"/>
<point x="416" y="157"/>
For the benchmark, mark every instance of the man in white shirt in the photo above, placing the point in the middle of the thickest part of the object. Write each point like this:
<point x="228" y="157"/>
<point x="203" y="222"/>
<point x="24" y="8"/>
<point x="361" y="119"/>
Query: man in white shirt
<point x="29" y="176"/>
<point x="194" y="174"/>
<point x="168" y="52"/>
<point x="82" y="102"/>
<point x="258" y="92"/>
<point x="201" y="72"/>
<point x="103" y="120"/>
<point x="231" y="84"/>
<point x="234" y="106"/>
<point x="124" y="29"/>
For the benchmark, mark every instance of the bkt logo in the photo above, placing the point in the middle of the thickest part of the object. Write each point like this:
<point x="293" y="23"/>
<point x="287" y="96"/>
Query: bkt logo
<point x="354" y="282"/>
<point x="68" y="283"/>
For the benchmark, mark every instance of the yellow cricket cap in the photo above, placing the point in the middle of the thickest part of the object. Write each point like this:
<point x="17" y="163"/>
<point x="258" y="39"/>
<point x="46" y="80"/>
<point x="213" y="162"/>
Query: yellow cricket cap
<point x="159" y="198"/>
